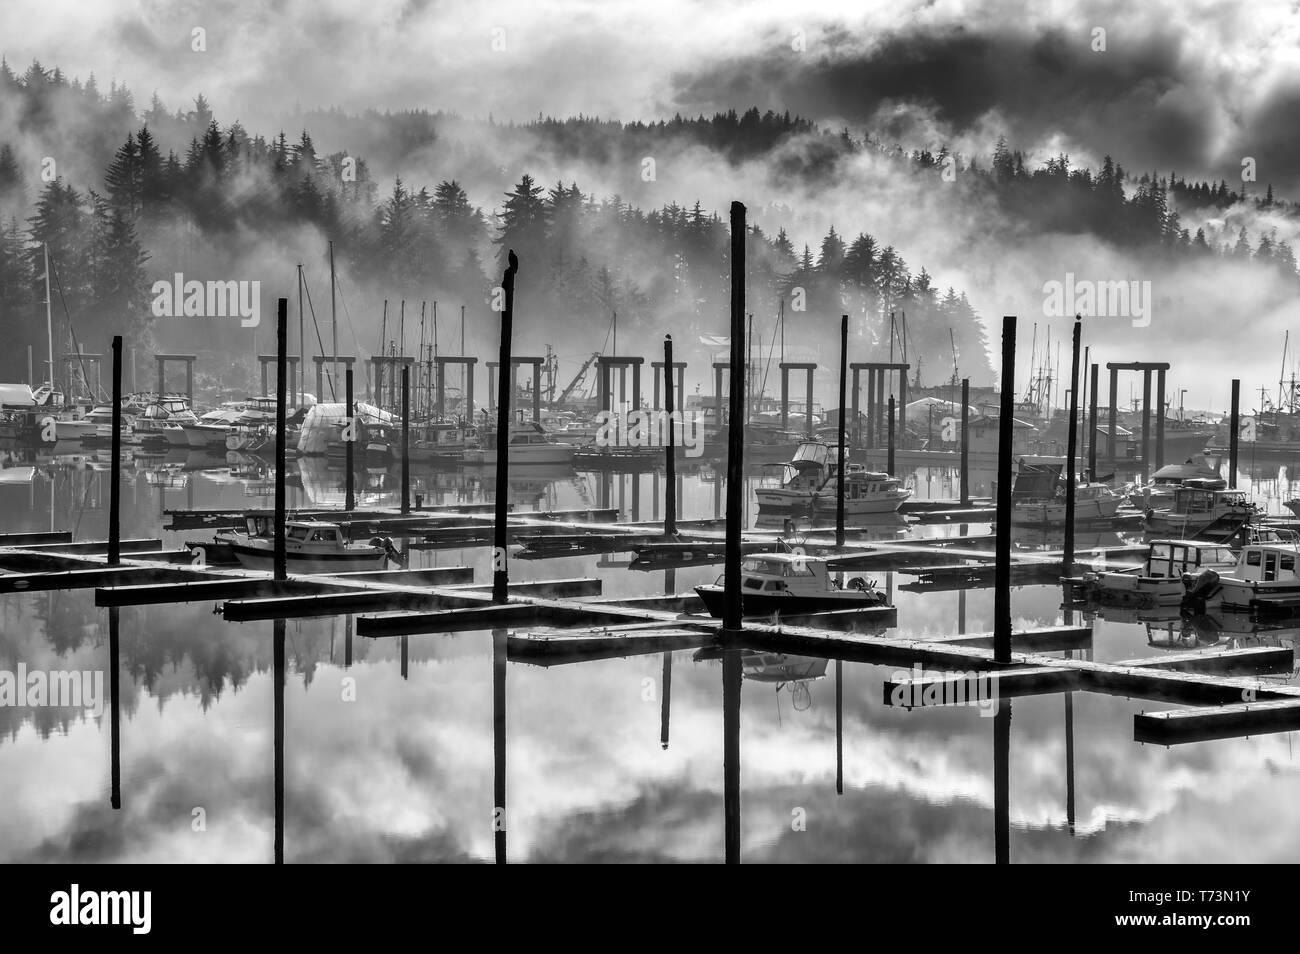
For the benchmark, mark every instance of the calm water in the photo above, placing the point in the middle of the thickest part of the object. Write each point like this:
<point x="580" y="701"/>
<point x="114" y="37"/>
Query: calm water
<point x="406" y="771"/>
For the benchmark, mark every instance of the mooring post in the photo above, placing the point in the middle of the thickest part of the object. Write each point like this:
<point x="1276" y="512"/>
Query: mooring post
<point x="500" y="575"/>
<point x="1092" y="425"/>
<point x="735" y="423"/>
<point x="1071" y="451"/>
<point x="1112" y="412"/>
<point x="1160" y="418"/>
<point x="115" y="701"/>
<point x="785" y="397"/>
<point x="965" y="442"/>
<point x="1234" y="429"/>
<point x="279" y="676"/>
<point x="839" y="480"/>
<point x="281" y="385"/>
<point x="349" y="440"/>
<point x="889" y="466"/>
<point x="115" y="468"/>
<point x="1002" y="568"/>
<point x="1146" y="425"/>
<point x="670" y="463"/>
<point x="406" y="439"/>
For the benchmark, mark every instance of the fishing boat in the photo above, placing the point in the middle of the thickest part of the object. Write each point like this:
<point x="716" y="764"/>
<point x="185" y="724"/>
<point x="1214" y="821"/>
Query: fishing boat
<point x="1262" y="571"/>
<point x="790" y="583"/>
<point x="810" y="481"/>
<point x="865" y="492"/>
<point x="1159" y="581"/>
<point x="444" y="441"/>
<point x="1197" y="506"/>
<point x="799" y="480"/>
<point x="161" y="421"/>
<point x="212" y="428"/>
<point x="530" y="443"/>
<point x="1159" y="491"/>
<point x="311" y="546"/>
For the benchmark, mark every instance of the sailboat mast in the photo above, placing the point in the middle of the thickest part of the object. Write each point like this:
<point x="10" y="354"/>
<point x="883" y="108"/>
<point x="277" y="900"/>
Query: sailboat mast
<point x="334" y="329"/>
<point x="49" y="314"/>
<point x="1282" y="374"/>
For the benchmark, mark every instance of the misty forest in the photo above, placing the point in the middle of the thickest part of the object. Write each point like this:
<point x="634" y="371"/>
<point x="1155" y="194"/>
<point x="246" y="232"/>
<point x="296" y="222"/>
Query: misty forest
<point x="149" y="193"/>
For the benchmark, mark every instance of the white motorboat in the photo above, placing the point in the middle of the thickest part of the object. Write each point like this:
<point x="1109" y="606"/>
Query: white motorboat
<point x="1159" y="582"/>
<point x="1195" y="507"/>
<point x="810" y="481"/>
<point x="790" y="583"/>
<point x="1263" y="571"/>
<point x="161" y="421"/>
<point x="311" y="546"/>
<point x="211" y="429"/>
<point x="529" y="444"/>
<point x="799" y="480"/>
<point x="1159" y="492"/>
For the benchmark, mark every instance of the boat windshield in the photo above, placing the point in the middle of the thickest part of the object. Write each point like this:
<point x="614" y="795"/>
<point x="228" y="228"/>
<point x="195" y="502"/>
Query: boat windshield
<point x="777" y="567"/>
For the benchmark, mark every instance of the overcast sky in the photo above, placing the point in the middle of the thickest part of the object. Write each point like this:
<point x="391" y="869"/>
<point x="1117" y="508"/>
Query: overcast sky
<point x="1192" y="86"/>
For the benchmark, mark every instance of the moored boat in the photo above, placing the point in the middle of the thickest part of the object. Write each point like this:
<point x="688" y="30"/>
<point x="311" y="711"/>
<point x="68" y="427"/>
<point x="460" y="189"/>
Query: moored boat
<point x="1159" y="582"/>
<point x="311" y="546"/>
<point x="790" y="583"/>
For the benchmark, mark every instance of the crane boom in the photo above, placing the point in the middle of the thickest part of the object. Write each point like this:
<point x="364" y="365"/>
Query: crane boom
<point x="577" y="378"/>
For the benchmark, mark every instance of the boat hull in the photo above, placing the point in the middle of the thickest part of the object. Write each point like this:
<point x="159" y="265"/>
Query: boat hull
<point x="767" y="604"/>
<point x="1054" y="513"/>
<point x="260" y="558"/>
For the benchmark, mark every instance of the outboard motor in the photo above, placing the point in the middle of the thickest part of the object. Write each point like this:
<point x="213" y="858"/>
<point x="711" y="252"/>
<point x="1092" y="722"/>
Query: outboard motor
<point x="1199" y="589"/>
<point x="394" y="554"/>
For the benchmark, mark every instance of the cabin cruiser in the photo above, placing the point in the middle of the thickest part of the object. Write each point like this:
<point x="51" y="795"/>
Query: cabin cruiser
<point x="1159" y="492"/>
<point x="1262" y="570"/>
<point x="1159" y="582"/>
<point x="529" y="444"/>
<point x="790" y="583"/>
<point x="1196" y="505"/>
<point x="865" y="492"/>
<point x="311" y="546"/>
<point x="161" y="422"/>
<point x="800" y="478"/>
<point x="212" y="428"/>
<point x="442" y="441"/>
<point x="1038" y="498"/>
<point x="810" y="481"/>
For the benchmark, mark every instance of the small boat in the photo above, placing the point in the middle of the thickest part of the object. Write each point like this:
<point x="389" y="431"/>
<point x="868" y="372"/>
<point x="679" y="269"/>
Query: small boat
<point x="810" y="481"/>
<point x="311" y="546"/>
<point x="529" y="444"/>
<point x="161" y="421"/>
<point x="1196" y="505"/>
<point x="442" y="441"/>
<point x="1159" y="492"/>
<point x="800" y="478"/>
<point x="865" y="492"/>
<point x="1262" y="571"/>
<point x="1160" y="580"/>
<point x="211" y="429"/>
<point x="790" y="583"/>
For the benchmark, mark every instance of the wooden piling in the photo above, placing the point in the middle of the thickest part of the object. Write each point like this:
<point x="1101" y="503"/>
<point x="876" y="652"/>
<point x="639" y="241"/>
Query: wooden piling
<point x="500" y="574"/>
<point x="406" y="441"/>
<point x="1072" y="448"/>
<point x="839" y="482"/>
<point x="670" y="462"/>
<point x="1092" y="424"/>
<point x="1006" y="427"/>
<point x="1234" y="428"/>
<point x="281" y="385"/>
<point x="965" y="442"/>
<point x="736" y="423"/>
<point x="349" y="440"/>
<point x="889" y="440"/>
<point x="115" y="469"/>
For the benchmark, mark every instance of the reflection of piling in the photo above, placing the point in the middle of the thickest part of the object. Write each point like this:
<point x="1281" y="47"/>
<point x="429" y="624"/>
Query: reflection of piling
<point x="499" y="743"/>
<point x="406" y="655"/>
<point x="666" y="700"/>
<point x="1092" y="424"/>
<point x="281" y="386"/>
<point x="670" y="463"/>
<point x="115" y="470"/>
<point x="839" y="482"/>
<point x="1234" y="429"/>
<point x="1002" y="570"/>
<point x="500" y="576"/>
<point x="1002" y="782"/>
<point x="889" y="466"/>
<point x="349" y="438"/>
<point x="347" y="641"/>
<point x="965" y="442"/>
<point x="1069" y="756"/>
<point x="114" y="685"/>
<point x="406" y="439"/>
<point x="736" y="422"/>
<point x="1071" y="452"/>
<point x="279" y="674"/>
<point x="839" y="727"/>
<point x="731" y="681"/>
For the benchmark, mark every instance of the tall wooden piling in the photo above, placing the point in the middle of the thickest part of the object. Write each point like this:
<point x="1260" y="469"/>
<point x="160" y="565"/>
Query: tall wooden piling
<point x="279" y="677"/>
<point x="1234" y="430"/>
<point x="670" y="462"/>
<point x="115" y="468"/>
<point x="115" y="703"/>
<point x="839" y="481"/>
<point x="965" y="442"/>
<point x="1006" y="426"/>
<point x="406" y="440"/>
<point x="1092" y="424"/>
<point x="281" y="395"/>
<point x="1072" y="448"/>
<point x="500" y="574"/>
<point x="349" y="441"/>
<point x="1146" y="425"/>
<point x="889" y="441"/>
<point x="732" y="612"/>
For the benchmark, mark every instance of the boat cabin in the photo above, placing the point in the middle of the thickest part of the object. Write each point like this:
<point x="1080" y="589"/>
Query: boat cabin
<point x="777" y="572"/>
<point x="1267" y="563"/>
<point x="1170" y="559"/>
<point x="1192" y="497"/>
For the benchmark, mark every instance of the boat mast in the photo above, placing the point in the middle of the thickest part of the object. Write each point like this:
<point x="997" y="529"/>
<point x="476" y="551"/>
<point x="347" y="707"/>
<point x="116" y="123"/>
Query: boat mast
<point x="49" y="315"/>
<point x="1282" y="374"/>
